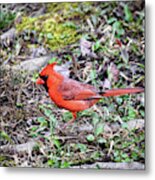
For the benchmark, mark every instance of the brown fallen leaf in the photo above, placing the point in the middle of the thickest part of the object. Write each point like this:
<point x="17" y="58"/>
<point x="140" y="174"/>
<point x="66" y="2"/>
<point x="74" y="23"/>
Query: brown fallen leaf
<point x="86" y="48"/>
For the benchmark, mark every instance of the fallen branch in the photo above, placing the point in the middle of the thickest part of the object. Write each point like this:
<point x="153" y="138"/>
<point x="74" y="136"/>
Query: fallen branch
<point x="114" y="127"/>
<point x="32" y="64"/>
<point x="36" y="64"/>
<point x="19" y="148"/>
<point x="111" y="165"/>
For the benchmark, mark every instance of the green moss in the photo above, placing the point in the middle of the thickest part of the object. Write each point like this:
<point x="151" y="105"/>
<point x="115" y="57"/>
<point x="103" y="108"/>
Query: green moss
<point x="60" y="25"/>
<point x="57" y="7"/>
<point x="70" y="9"/>
<point x="54" y="33"/>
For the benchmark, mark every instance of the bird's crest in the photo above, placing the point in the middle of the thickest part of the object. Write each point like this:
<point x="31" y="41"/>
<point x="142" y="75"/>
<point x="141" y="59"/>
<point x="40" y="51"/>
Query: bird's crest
<point x="52" y="65"/>
<point x="48" y="69"/>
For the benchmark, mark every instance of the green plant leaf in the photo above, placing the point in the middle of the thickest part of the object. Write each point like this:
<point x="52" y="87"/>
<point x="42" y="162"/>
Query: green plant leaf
<point x="95" y="155"/>
<point x="101" y="140"/>
<point x="57" y="143"/>
<point x="131" y="113"/>
<point x="90" y="137"/>
<point x="128" y="14"/>
<point x="111" y="20"/>
<point x="42" y="121"/>
<point x="82" y="147"/>
<point x="47" y="112"/>
<point x="125" y="125"/>
<point x="67" y="116"/>
<point x="65" y="164"/>
<point x="53" y="122"/>
<point x="117" y="28"/>
<point x="96" y="46"/>
<point x="95" y="118"/>
<point x="99" y="129"/>
<point x="5" y="136"/>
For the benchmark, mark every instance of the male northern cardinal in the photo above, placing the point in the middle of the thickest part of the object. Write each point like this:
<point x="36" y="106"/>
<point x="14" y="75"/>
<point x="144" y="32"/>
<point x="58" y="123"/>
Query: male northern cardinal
<point x="73" y="95"/>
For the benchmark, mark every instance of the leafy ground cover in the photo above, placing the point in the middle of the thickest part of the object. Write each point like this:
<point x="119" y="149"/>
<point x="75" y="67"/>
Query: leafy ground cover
<point x="101" y="43"/>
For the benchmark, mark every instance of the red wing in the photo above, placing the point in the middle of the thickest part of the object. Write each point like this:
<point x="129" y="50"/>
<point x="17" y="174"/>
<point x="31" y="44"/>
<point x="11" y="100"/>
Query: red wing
<point x="73" y="90"/>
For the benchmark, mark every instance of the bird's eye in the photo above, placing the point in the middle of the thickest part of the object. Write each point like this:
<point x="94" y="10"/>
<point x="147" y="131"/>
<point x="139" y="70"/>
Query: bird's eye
<point x="43" y="77"/>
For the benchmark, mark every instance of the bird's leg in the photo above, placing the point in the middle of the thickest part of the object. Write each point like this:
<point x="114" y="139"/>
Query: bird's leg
<point x="72" y="120"/>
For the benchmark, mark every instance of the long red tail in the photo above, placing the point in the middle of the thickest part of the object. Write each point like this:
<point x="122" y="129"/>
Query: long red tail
<point x="118" y="92"/>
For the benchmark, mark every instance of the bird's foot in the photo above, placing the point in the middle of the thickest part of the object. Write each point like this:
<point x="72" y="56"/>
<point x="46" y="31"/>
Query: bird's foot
<point x="68" y="123"/>
<point x="71" y="121"/>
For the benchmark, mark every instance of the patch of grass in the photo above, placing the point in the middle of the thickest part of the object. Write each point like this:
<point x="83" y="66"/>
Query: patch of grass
<point x="6" y="18"/>
<point x="129" y="149"/>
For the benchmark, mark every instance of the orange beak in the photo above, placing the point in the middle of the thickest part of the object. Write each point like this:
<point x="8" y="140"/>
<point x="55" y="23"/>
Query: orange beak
<point x="40" y="81"/>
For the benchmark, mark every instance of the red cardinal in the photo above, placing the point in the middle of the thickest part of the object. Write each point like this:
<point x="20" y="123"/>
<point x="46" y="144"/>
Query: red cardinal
<point x="73" y="95"/>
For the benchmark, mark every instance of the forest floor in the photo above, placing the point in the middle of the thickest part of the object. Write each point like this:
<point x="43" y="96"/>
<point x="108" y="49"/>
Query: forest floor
<point x="100" y="43"/>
